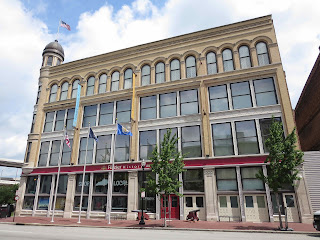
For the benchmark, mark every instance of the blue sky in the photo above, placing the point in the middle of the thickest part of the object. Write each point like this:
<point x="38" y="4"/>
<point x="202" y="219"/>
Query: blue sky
<point x="97" y="27"/>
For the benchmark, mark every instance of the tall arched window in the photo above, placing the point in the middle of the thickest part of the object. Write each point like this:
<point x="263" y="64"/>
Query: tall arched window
<point x="145" y="75"/>
<point x="191" y="67"/>
<point x="175" y="70"/>
<point x="227" y="60"/>
<point x="244" y="55"/>
<point x="212" y="63"/>
<point x="49" y="61"/>
<point x="115" y="81"/>
<point x="103" y="83"/>
<point x="53" y="93"/>
<point x="90" y="86"/>
<point x="160" y="72"/>
<point x="75" y="88"/>
<point x="262" y="52"/>
<point x="64" y="91"/>
<point x="127" y="79"/>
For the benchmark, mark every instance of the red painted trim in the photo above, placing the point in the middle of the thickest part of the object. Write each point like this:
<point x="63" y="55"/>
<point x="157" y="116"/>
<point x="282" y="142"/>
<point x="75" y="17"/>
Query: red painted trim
<point x="137" y="165"/>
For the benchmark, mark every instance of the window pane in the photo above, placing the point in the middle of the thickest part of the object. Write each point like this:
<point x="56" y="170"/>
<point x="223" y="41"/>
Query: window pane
<point x="120" y="182"/>
<point x="223" y="201"/>
<point x="103" y="150"/>
<point x="119" y="204"/>
<point x="59" y="125"/>
<point x="99" y="203"/>
<point x="45" y="184"/>
<point x="124" y="111"/>
<point x="90" y="86"/>
<point x="265" y="130"/>
<point x="160" y="72"/>
<point x="66" y="153"/>
<point x="43" y="203"/>
<point x="261" y="202"/>
<point x="106" y="114"/>
<point x="241" y="96"/>
<point x="115" y="81"/>
<point x="43" y="154"/>
<point x="55" y="151"/>
<point x="189" y="108"/>
<point x="76" y="206"/>
<point x="82" y="154"/>
<point x="100" y="183"/>
<point x="63" y="184"/>
<point x="89" y="115"/>
<point x="128" y="79"/>
<point x="175" y="70"/>
<point x="191" y="144"/>
<point x="222" y="139"/>
<point x="289" y="201"/>
<point x="70" y="115"/>
<point x="148" y="142"/>
<point x="148" y="108"/>
<point x="49" y="122"/>
<point x="75" y="88"/>
<point x="145" y="79"/>
<point x="28" y="202"/>
<point x="103" y="83"/>
<point x="189" y="202"/>
<point x="234" y="201"/>
<point x="122" y="149"/>
<point x="64" y="91"/>
<point x="226" y="173"/>
<point x="199" y="202"/>
<point x="249" y="201"/>
<point x="227" y="185"/>
<point x="31" y="184"/>
<point x="252" y="184"/>
<point x="218" y="98"/>
<point x="193" y="180"/>
<point x="211" y="63"/>
<point x="85" y="185"/>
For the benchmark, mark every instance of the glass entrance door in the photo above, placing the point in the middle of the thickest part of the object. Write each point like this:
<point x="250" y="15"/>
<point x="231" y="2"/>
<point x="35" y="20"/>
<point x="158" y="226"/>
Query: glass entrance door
<point x="172" y="205"/>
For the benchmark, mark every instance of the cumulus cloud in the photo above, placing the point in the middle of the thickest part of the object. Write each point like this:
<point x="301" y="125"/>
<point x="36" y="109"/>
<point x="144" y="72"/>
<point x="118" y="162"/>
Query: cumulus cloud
<point x="141" y="21"/>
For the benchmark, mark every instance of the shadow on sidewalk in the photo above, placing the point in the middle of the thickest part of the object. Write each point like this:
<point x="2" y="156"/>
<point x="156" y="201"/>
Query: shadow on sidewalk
<point x="255" y="228"/>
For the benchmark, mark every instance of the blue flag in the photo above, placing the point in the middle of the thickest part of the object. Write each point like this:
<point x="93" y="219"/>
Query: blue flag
<point x="91" y="135"/>
<point x="123" y="131"/>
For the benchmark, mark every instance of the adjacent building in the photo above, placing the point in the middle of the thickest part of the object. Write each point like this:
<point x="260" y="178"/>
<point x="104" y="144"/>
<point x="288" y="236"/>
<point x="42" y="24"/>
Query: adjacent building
<point x="217" y="89"/>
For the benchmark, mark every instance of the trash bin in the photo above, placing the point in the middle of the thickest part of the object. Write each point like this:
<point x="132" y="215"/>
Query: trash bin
<point x="3" y="211"/>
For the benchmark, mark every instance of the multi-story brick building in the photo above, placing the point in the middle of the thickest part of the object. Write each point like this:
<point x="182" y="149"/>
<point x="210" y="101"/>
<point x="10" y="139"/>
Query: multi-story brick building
<point x="217" y="89"/>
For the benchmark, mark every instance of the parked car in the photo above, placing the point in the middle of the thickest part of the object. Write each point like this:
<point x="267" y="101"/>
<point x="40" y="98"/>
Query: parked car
<point x="316" y="220"/>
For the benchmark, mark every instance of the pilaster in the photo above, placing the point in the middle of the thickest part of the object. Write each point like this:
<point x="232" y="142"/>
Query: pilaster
<point x="70" y="195"/>
<point x="211" y="194"/>
<point x="133" y="198"/>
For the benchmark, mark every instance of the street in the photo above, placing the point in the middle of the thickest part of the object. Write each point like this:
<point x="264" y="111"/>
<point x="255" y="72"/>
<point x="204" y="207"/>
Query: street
<point x="18" y="232"/>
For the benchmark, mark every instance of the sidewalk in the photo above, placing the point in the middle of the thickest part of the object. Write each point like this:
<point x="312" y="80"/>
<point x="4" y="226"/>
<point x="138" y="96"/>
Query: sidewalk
<point x="157" y="224"/>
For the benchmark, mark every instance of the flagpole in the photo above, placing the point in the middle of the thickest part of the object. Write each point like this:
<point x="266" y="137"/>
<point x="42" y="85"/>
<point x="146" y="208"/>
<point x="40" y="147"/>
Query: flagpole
<point x="57" y="181"/>
<point x="83" y="175"/>
<point x="110" y="188"/>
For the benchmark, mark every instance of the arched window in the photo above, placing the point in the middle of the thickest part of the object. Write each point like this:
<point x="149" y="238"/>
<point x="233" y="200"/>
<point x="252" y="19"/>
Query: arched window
<point x="160" y="72"/>
<point x="64" y="91"/>
<point x="53" y="93"/>
<point x="90" y="86"/>
<point x="115" y="81"/>
<point x="49" y="61"/>
<point x="244" y="55"/>
<point x="191" y="67"/>
<point x="58" y="62"/>
<point x="227" y="60"/>
<point x="145" y="75"/>
<point x="262" y="52"/>
<point x="212" y="63"/>
<point x="75" y="88"/>
<point x="175" y="70"/>
<point x="127" y="79"/>
<point x="103" y="83"/>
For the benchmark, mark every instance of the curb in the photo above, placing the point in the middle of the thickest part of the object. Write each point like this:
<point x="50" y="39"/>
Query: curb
<point x="162" y="228"/>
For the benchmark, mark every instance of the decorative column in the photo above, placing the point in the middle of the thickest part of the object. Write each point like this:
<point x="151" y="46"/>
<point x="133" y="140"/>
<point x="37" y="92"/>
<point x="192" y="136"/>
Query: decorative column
<point x="241" y="198"/>
<point x="90" y="196"/>
<point x="133" y="192"/>
<point x="269" y="200"/>
<point x="181" y="202"/>
<point x="210" y="194"/>
<point x="70" y="195"/>
<point x="21" y="192"/>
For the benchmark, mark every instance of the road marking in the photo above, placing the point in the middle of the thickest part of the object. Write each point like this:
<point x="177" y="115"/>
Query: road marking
<point x="14" y="231"/>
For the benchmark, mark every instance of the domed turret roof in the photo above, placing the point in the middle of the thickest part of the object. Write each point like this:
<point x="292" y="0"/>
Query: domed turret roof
<point x="54" y="47"/>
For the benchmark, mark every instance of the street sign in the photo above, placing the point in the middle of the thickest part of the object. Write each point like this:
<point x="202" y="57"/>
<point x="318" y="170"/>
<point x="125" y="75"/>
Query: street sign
<point x="143" y="194"/>
<point x="16" y="198"/>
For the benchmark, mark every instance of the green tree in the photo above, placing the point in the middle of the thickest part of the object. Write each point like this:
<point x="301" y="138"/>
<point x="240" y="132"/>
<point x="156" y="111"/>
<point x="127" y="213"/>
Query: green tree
<point x="168" y="164"/>
<point x="7" y="193"/>
<point x="283" y="159"/>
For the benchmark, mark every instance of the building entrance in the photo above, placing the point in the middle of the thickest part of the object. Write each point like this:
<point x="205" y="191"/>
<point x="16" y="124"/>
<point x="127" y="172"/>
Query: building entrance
<point x="256" y="209"/>
<point x="229" y="208"/>
<point x="172" y="206"/>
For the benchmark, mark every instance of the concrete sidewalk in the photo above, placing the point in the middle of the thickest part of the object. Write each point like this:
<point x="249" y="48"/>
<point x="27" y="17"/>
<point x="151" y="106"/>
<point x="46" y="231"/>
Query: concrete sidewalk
<point x="158" y="224"/>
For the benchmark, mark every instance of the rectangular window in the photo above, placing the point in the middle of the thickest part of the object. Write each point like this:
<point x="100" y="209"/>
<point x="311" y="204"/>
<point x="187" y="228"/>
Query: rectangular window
<point x="100" y="183"/>
<point x="55" y="152"/>
<point x="247" y="137"/>
<point x="234" y="201"/>
<point x="76" y="205"/>
<point x="119" y="204"/>
<point x="63" y="184"/>
<point x="89" y="116"/>
<point x="226" y="179"/>
<point x="28" y="152"/>
<point x="150" y="198"/>
<point x="120" y="183"/>
<point x="193" y="180"/>
<point x="82" y="150"/>
<point x="223" y="201"/>
<point x="49" y="122"/>
<point x="148" y="142"/>
<point x="28" y="202"/>
<point x="33" y="122"/>
<point x="124" y="111"/>
<point x="59" y="120"/>
<point x="191" y="142"/>
<point x="189" y="102"/>
<point x="66" y="153"/>
<point x="85" y="185"/>
<point x="261" y="202"/>
<point x="218" y="98"/>
<point x="199" y="202"/>
<point x="106" y="114"/>
<point x="38" y="94"/>
<point x="249" y="180"/>
<point x="122" y="148"/>
<point x="189" y="202"/>
<point x="222" y="139"/>
<point x="148" y="108"/>
<point x="265" y="92"/>
<point x="31" y="185"/>
<point x="168" y="105"/>
<point x="45" y="184"/>
<point x="289" y="201"/>
<point x="103" y="149"/>
<point x="265" y="130"/>
<point x="241" y="96"/>
<point x="174" y="131"/>
<point x="70" y="115"/>
<point x="249" y="201"/>
<point x="43" y="158"/>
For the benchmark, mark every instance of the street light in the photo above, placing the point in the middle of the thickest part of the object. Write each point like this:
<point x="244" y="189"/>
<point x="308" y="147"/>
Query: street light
<point x="143" y="165"/>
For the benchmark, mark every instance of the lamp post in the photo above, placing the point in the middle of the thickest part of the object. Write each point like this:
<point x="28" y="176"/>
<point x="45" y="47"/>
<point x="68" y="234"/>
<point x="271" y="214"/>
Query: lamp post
<point x="143" y="165"/>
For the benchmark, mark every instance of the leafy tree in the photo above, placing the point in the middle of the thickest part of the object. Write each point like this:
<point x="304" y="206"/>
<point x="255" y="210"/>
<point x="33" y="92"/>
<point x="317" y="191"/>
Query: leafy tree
<point x="168" y="164"/>
<point x="283" y="159"/>
<point x="7" y="193"/>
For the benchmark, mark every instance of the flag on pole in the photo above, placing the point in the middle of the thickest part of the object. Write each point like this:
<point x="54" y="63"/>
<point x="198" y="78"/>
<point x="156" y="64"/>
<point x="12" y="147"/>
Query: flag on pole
<point x="65" y="25"/>
<point x="123" y="131"/>
<point x="66" y="138"/>
<point x="91" y="135"/>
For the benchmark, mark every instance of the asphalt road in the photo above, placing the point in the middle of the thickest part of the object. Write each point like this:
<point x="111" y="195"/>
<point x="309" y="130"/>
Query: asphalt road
<point x="17" y="232"/>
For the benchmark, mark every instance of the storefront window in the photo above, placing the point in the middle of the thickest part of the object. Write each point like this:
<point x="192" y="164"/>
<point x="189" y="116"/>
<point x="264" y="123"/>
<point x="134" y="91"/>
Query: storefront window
<point x="193" y="180"/>
<point x="119" y="204"/>
<point x="32" y="184"/>
<point x="120" y="182"/>
<point x="150" y="198"/>
<point x="100" y="183"/>
<point x="28" y="202"/>
<point x="226" y="179"/>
